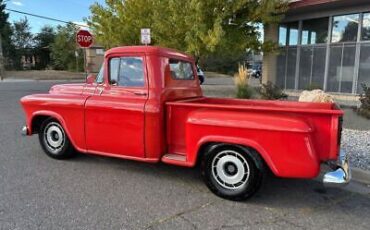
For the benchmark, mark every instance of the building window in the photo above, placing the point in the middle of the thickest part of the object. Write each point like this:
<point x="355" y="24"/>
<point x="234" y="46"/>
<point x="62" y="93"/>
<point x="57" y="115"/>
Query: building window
<point x="366" y="27"/>
<point x="345" y="28"/>
<point x="282" y="35"/>
<point x="293" y="34"/>
<point x="364" y="68"/>
<point x="288" y="34"/>
<point x="341" y="68"/>
<point x="312" y="67"/>
<point x="99" y="51"/>
<point x="315" y="31"/>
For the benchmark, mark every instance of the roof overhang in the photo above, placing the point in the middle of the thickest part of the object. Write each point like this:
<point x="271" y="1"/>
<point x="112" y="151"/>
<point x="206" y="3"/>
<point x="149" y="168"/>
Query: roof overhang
<point x="330" y="7"/>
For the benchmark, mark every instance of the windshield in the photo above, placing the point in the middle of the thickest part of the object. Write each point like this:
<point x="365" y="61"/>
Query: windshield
<point x="100" y="76"/>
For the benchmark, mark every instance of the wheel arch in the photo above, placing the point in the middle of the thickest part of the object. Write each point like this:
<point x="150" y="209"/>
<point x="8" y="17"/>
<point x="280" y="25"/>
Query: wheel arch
<point x="208" y="143"/>
<point x="40" y="116"/>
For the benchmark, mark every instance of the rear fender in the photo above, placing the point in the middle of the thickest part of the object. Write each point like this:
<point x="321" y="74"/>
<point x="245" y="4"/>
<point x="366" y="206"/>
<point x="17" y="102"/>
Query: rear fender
<point x="234" y="141"/>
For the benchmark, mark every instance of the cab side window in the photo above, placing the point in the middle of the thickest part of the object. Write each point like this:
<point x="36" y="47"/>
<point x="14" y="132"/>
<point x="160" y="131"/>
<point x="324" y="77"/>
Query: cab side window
<point x="114" y="70"/>
<point x="127" y="71"/>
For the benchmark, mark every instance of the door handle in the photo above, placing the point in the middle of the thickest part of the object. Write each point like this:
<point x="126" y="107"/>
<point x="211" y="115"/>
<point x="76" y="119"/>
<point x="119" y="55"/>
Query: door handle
<point x="140" y="93"/>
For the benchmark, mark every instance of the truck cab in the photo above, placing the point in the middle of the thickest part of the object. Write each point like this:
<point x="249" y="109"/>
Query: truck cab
<point x="146" y="104"/>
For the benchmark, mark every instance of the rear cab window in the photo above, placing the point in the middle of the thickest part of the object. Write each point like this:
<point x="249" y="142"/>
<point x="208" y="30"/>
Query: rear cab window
<point x="181" y="70"/>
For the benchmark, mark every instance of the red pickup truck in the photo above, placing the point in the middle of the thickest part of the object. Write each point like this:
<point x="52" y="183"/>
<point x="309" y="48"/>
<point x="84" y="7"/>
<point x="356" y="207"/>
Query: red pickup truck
<point x="146" y="104"/>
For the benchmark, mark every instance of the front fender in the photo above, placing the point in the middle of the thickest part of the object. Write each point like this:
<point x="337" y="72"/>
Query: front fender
<point x="67" y="109"/>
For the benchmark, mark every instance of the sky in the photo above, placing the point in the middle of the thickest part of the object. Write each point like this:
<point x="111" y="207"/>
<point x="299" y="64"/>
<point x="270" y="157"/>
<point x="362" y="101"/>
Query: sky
<point x="66" y="10"/>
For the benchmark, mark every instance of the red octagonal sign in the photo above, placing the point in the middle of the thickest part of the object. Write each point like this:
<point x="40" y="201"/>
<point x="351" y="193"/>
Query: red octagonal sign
<point x="84" y="38"/>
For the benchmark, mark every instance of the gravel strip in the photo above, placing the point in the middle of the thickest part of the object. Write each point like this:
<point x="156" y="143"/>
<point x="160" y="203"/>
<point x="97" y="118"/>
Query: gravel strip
<point x="357" y="143"/>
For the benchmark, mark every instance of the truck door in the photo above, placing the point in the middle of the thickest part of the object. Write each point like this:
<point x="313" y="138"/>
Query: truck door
<point x="114" y="115"/>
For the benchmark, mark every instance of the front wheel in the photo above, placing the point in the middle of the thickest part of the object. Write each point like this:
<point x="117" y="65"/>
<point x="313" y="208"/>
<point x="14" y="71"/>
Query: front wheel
<point x="232" y="172"/>
<point x="54" y="140"/>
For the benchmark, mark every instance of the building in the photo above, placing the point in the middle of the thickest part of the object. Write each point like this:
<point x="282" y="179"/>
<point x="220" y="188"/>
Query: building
<point x="323" y="43"/>
<point x="94" y="58"/>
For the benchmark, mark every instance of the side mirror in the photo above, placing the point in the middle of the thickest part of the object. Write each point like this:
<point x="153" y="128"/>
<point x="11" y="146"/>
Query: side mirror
<point x="90" y="79"/>
<point x="113" y="82"/>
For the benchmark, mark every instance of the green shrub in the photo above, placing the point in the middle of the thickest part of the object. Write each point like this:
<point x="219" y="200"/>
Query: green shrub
<point x="243" y="90"/>
<point x="364" y="109"/>
<point x="269" y="91"/>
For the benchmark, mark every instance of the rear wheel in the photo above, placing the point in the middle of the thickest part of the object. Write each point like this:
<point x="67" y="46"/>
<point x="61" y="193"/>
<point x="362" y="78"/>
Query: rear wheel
<point x="232" y="172"/>
<point x="54" y="140"/>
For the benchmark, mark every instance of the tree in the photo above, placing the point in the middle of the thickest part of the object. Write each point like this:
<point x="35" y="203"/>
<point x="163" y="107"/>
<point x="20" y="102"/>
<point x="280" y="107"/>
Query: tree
<point x="22" y="40"/>
<point x="5" y="34"/>
<point x="43" y="41"/>
<point x="199" y="27"/>
<point x="22" y="37"/>
<point x="63" y="49"/>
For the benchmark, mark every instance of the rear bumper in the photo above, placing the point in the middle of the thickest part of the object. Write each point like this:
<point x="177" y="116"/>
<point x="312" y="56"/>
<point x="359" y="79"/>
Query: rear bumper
<point x="341" y="174"/>
<point x="24" y="130"/>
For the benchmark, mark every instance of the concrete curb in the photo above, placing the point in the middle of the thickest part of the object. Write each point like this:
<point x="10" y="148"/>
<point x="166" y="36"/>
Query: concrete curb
<point x="40" y="80"/>
<point x="360" y="175"/>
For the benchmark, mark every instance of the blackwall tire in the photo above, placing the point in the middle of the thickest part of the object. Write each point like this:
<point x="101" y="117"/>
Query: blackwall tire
<point x="54" y="140"/>
<point x="233" y="172"/>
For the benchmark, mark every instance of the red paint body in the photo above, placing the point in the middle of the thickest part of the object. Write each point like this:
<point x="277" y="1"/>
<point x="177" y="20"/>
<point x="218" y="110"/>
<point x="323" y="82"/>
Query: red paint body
<point x="169" y="120"/>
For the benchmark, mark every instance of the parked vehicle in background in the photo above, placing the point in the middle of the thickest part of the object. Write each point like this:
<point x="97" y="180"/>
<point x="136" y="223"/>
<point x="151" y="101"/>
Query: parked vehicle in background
<point x="255" y="69"/>
<point x="201" y="75"/>
<point x="147" y="105"/>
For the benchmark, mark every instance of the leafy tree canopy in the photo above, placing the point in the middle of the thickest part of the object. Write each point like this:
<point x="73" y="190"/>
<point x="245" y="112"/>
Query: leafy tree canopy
<point x="45" y="37"/>
<point x="199" y="27"/>
<point x="63" y="49"/>
<point x="5" y="31"/>
<point x="22" y="37"/>
<point x="43" y="41"/>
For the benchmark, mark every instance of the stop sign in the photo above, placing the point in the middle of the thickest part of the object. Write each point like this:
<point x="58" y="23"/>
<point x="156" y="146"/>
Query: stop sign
<point x="84" y="38"/>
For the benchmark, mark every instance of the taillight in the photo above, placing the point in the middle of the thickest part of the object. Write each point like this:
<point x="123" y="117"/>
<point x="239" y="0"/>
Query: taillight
<point x="340" y="128"/>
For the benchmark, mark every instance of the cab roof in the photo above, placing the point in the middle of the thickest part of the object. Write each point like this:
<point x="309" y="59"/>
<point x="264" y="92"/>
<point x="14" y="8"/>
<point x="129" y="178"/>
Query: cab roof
<point x="153" y="50"/>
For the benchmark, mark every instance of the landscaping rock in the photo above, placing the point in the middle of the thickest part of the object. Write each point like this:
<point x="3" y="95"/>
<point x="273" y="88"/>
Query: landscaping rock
<point x="316" y="95"/>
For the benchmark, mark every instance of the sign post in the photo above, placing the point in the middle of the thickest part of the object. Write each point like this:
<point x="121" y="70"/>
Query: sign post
<point x="145" y="36"/>
<point x="85" y="40"/>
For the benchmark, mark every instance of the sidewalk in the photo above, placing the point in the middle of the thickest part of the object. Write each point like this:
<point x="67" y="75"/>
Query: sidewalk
<point x="31" y="75"/>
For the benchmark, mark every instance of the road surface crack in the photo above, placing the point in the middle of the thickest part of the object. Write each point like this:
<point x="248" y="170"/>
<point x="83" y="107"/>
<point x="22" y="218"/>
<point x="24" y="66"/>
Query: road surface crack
<point x="179" y="214"/>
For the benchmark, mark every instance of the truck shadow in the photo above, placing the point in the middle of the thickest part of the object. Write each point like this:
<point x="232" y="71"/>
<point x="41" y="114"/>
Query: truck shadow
<point x="306" y="195"/>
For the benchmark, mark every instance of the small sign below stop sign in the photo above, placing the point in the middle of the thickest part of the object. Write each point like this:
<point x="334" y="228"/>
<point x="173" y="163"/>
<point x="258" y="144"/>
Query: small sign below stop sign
<point x="84" y="38"/>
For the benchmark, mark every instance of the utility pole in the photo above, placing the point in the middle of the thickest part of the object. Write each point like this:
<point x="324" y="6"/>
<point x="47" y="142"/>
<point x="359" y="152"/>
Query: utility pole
<point x="1" y="61"/>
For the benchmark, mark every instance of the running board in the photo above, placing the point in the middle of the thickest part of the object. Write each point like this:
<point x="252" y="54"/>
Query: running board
<point x="176" y="159"/>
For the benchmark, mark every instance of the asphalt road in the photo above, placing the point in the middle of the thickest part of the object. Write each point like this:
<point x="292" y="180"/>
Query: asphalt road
<point x="90" y="192"/>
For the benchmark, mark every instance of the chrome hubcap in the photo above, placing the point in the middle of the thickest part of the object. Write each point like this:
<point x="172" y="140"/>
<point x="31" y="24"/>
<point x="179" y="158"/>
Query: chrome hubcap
<point x="54" y="137"/>
<point x="230" y="169"/>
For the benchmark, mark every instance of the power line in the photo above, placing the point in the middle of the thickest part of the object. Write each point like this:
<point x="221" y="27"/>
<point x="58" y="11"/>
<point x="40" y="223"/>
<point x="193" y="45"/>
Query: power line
<point x="44" y="17"/>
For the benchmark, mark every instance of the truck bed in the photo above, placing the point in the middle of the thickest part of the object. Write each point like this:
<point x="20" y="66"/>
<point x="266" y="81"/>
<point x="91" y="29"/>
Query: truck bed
<point x="299" y="125"/>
